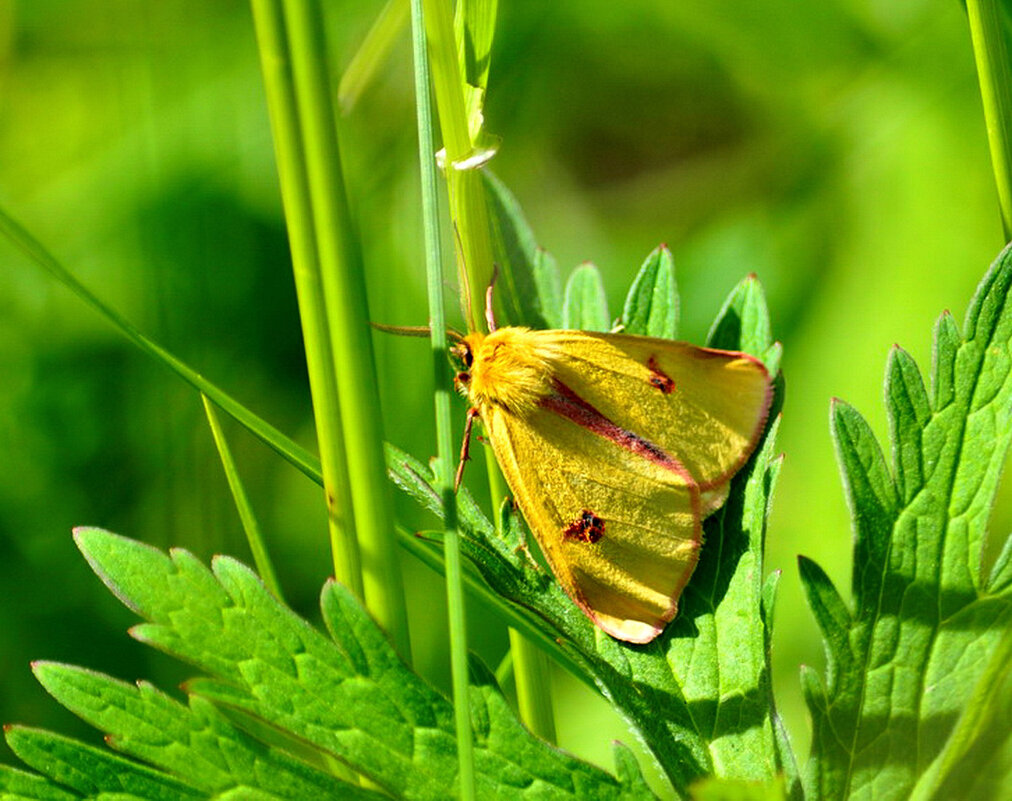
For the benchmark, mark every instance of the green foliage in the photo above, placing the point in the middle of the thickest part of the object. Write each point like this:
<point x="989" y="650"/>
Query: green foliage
<point x="585" y="306"/>
<point x="347" y="696"/>
<point x="917" y="694"/>
<point x="904" y="664"/>
<point x="651" y="307"/>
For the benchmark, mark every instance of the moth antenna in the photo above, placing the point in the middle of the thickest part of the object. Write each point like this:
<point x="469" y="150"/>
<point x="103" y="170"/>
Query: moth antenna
<point x="465" y="447"/>
<point x="415" y="331"/>
<point x="404" y="330"/>
<point x="489" y="313"/>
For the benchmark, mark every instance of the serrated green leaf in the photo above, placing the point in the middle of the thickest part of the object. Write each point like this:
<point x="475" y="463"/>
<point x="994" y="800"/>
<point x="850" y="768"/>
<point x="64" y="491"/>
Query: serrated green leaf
<point x="19" y="785"/>
<point x="909" y="410"/>
<point x="91" y="770"/>
<point x="743" y="323"/>
<point x="977" y="759"/>
<point x="870" y="496"/>
<point x="1001" y="571"/>
<point x="195" y="741"/>
<point x="651" y="307"/>
<point x="924" y="627"/>
<point x="831" y="614"/>
<point x="628" y="769"/>
<point x="585" y="307"/>
<point x="947" y="342"/>
<point x="351" y="697"/>
<point x="528" y="287"/>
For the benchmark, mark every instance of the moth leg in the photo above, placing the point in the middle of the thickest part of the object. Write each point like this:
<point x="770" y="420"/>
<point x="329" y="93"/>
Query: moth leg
<point x="465" y="447"/>
<point x="532" y="563"/>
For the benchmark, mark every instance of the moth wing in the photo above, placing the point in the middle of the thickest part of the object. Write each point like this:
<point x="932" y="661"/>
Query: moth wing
<point x="706" y="408"/>
<point x="628" y="572"/>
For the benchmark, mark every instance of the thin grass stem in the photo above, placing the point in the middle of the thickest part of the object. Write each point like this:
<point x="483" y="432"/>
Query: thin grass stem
<point x="990" y="51"/>
<point x="254" y="536"/>
<point x="443" y="390"/>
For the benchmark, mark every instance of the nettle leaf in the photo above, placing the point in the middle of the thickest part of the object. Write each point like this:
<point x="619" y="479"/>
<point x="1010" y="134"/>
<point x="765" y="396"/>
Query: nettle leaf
<point x="904" y="662"/>
<point x="19" y="785"/>
<point x="347" y="696"/>
<point x="651" y="307"/>
<point x="529" y="286"/>
<point x="89" y="770"/>
<point x="585" y="307"/>
<point x="701" y="702"/>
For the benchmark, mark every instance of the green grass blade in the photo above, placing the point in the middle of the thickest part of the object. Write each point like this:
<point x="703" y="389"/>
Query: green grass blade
<point x="443" y="389"/>
<point x="372" y="53"/>
<point x="275" y="61"/>
<point x="254" y="536"/>
<point x="344" y="291"/>
<point x="283" y="445"/>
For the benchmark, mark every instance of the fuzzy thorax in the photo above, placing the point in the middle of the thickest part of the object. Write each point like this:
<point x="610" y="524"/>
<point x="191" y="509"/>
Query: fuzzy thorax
<point x="511" y="368"/>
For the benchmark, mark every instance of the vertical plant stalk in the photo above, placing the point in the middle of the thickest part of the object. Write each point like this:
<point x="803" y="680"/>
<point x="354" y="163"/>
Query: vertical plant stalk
<point x="469" y="214"/>
<point x="347" y="308"/>
<point x="990" y="51"/>
<point x="444" y="431"/>
<point x="281" y="105"/>
<point x="249" y="522"/>
<point x="468" y="209"/>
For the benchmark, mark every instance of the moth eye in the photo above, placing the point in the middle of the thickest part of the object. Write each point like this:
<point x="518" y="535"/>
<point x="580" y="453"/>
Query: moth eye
<point x="468" y="358"/>
<point x="588" y="527"/>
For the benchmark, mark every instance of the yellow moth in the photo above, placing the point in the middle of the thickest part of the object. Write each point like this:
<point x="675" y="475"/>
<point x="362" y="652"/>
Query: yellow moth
<point x="615" y="448"/>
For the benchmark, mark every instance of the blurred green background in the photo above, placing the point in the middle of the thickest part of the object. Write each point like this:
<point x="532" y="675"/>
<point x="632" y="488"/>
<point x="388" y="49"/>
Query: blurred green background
<point x="837" y="149"/>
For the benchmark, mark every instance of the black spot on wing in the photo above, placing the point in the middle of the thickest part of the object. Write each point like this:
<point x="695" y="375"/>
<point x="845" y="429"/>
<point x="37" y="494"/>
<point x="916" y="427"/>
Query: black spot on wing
<point x="588" y="527"/>
<point x="658" y="378"/>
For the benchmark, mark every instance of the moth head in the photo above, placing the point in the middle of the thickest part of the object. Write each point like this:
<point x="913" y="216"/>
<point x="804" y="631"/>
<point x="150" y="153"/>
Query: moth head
<point x="511" y="368"/>
<point x="461" y="360"/>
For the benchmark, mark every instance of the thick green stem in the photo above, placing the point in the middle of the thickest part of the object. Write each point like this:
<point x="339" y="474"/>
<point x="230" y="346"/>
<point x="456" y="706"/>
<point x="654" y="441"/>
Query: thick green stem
<point x="443" y="389"/>
<point x="468" y="209"/>
<point x="276" y="65"/>
<point x="347" y="315"/>
<point x="991" y="54"/>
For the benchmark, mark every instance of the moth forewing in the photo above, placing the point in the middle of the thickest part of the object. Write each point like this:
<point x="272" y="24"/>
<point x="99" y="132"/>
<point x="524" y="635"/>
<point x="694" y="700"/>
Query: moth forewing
<point x="615" y="448"/>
